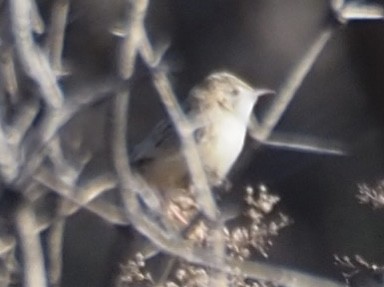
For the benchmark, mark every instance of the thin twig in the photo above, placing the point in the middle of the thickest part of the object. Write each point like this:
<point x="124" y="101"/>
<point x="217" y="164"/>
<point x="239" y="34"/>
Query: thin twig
<point x="136" y="11"/>
<point x="22" y="122"/>
<point x="67" y="170"/>
<point x="30" y="245"/>
<point x="128" y="183"/>
<point x="7" y="242"/>
<point x="305" y="144"/>
<point x="8" y="74"/>
<point x="136" y="41"/>
<point x="120" y="155"/>
<point x="51" y="123"/>
<point x="34" y="62"/>
<point x="55" y="38"/>
<point x="290" y="87"/>
<point x="199" y="180"/>
<point x="36" y="20"/>
<point x="86" y="198"/>
<point x="346" y="11"/>
<point x="9" y="158"/>
<point x="105" y="210"/>
<point x="55" y="254"/>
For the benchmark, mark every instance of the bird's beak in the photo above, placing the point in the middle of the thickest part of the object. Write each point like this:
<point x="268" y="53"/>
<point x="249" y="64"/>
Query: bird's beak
<point x="264" y="92"/>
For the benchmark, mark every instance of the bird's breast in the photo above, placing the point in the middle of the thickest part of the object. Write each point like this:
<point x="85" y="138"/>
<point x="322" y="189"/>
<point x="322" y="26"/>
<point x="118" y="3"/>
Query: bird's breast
<point x="219" y="152"/>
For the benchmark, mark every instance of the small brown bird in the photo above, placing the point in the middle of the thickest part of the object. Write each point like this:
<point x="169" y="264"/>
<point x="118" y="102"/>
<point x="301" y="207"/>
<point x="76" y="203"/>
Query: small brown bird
<point x="218" y="110"/>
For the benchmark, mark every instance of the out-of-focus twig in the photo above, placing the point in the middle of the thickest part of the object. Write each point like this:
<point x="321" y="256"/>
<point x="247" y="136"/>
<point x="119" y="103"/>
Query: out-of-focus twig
<point x="305" y="144"/>
<point x="34" y="62"/>
<point x="136" y="41"/>
<point x="36" y="20"/>
<point x="52" y="121"/>
<point x="346" y="11"/>
<point x="132" y="33"/>
<point x="290" y="86"/>
<point x="55" y="39"/>
<point x="199" y="179"/>
<point x="21" y="122"/>
<point x="7" y="242"/>
<point x="127" y="181"/>
<point x="8" y="159"/>
<point x="30" y="245"/>
<point x="86" y="197"/>
<point x="105" y="210"/>
<point x="8" y="74"/>
<point x="55" y="255"/>
<point x="68" y="171"/>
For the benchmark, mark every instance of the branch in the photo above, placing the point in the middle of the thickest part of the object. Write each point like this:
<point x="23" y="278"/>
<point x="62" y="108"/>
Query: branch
<point x="199" y="180"/>
<point x="102" y="208"/>
<point x="290" y="87"/>
<point x="55" y="38"/>
<point x="34" y="62"/>
<point x="31" y="250"/>
<point x="55" y="254"/>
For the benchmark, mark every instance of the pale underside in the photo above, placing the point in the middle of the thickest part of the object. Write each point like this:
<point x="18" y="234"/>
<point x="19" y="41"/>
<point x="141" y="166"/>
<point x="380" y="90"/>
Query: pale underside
<point x="160" y="161"/>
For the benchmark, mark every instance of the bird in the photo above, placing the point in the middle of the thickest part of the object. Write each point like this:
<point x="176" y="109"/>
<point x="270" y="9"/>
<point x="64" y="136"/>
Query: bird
<point x="218" y="111"/>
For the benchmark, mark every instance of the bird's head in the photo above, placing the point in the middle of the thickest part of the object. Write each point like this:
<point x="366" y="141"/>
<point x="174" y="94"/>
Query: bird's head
<point x="228" y="92"/>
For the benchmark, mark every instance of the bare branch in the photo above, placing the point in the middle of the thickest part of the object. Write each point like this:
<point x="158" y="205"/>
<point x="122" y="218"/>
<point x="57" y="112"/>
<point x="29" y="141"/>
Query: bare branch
<point x="56" y="32"/>
<point x="305" y="144"/>
<point x="8" y="74"/>
<point x="36" y="20"/>
<point x="290" y="87"/>
<point x="22" y="122"/>
<point x="51" y="123"/>
<point x="31" y="250"/>
<point x="7" y="242"/>
<point x="133" y="36"/>
<point x="33" y="60"/>
<point x="103" y="209"/>
<point x="9" y="158"/>
<point x="55" y="256"/>
<point x="204" y="195"/>
<point x="346" y="11"/>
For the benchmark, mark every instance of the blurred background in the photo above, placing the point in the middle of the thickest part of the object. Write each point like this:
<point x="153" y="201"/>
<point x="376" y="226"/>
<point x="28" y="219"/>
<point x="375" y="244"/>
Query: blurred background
<point x="341" y="101"/>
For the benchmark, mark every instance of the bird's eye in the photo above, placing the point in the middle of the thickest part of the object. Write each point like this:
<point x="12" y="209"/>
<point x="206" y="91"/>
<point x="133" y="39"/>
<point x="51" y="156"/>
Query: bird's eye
<point x="235" y="92"/>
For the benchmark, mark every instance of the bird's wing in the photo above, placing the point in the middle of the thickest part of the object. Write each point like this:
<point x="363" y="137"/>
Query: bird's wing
<point x="164" y="140"/>
<point x="161" y="140"/>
